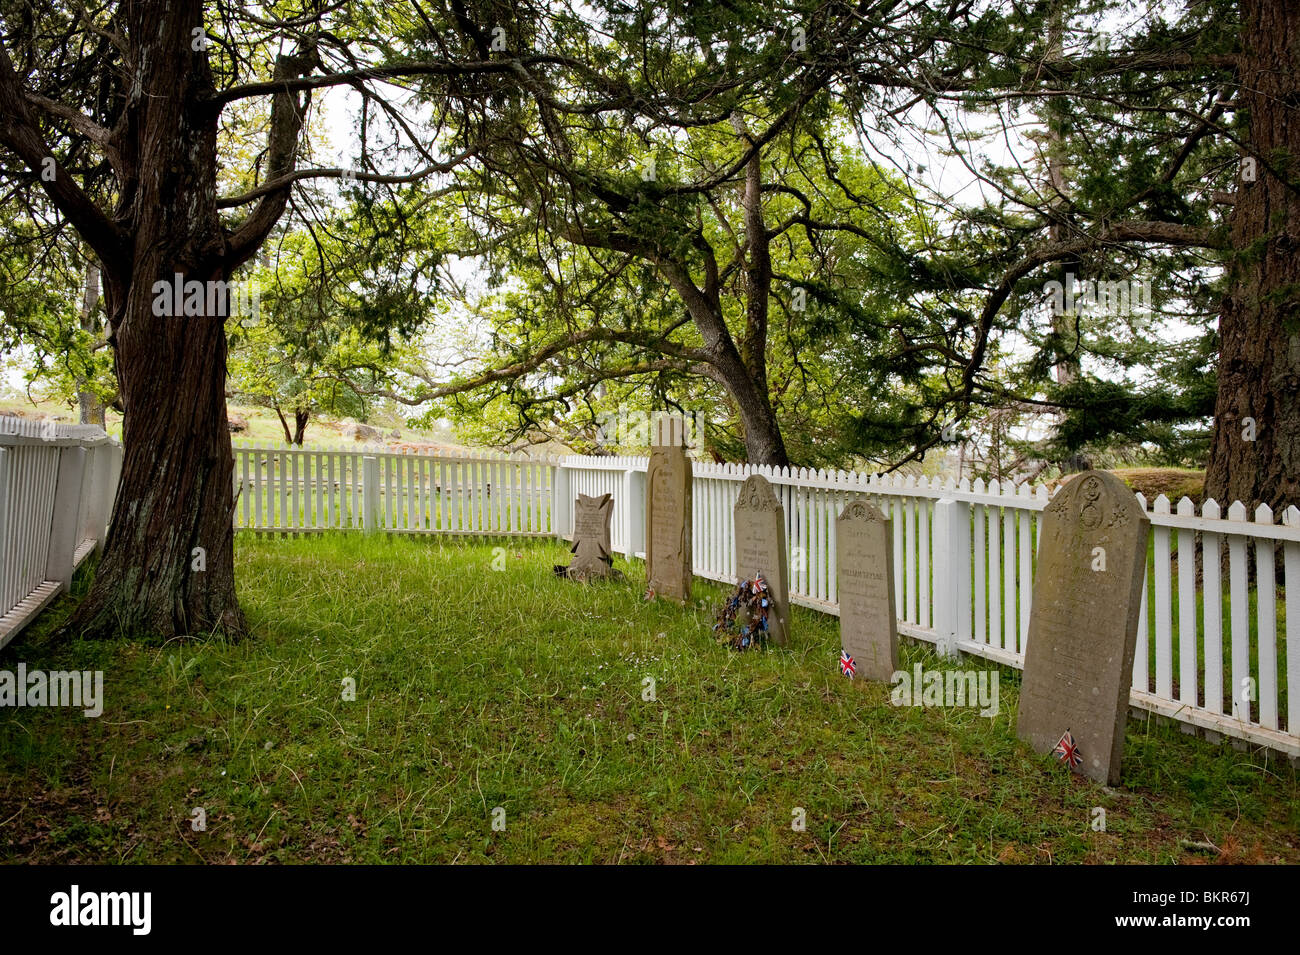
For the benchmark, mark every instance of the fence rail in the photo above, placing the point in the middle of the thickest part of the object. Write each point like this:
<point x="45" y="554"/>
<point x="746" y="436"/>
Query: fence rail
<point x="57" y="484"/>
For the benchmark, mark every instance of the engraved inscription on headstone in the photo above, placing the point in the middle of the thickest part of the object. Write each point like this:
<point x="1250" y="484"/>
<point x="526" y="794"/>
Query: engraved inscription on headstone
<point x="668" y="522"/>
<point x="868" y="626"/>
<point x="591" y="537"/>
<point x="760" y="550"/>
<point x="1083" y="622"/>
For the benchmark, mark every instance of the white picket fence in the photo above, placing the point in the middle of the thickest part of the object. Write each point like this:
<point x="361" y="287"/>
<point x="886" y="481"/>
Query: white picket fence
<point x="1219" y="640"/>
<point x="964" y="558"/>
<point x="283" y="489"/>
<point x="57" y="484"/>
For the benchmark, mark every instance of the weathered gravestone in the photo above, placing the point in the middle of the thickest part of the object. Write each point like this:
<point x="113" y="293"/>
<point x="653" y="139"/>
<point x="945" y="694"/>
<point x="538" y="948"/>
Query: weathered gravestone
<point x="760" y="550"/>
<point x="668" y="514"/>
<point x="1083" y="624"/>
<point x="865" y="557"/>
<point x="591" y="538"/>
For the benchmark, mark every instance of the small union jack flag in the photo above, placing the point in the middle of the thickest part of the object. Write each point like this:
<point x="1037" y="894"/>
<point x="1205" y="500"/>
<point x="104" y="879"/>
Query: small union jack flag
<point x="847" y="666"/>
<point x="1067" y="751"/>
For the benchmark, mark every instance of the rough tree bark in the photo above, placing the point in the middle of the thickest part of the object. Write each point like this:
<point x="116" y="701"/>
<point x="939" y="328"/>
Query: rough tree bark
<point x="743" y="376"/>
<point x="168" y="562"/>
<point x="91" y="408"/>
<point x="763" y="441"/>
<point x="1258" y="461"/>
<point x="726" y="365"/>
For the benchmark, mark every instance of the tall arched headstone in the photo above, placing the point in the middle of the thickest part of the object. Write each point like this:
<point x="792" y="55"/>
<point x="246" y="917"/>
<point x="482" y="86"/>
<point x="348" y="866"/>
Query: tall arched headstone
<point x="864" y="557"/>
<point x="1083" y="625"/>
<point x="760" y="550"/>
<point x="668" y="514"/>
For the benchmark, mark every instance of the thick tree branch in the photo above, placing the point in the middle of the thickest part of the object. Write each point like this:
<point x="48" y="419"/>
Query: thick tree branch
<point x="517" y="369"/>
<point x="296" y="84"/>
<point x="1160" y="233"/>
<point x="20" y="133"/>
<point x="337" y="173"/>
<point x="288" y="114"/>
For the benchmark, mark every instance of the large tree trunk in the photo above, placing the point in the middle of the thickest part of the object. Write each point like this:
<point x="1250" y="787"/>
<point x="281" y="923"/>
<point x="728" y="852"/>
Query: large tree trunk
<point x="1065" y="325"/>
<point x="1258" y="460"/>
<point x="763" y="441"/>
<point x="168" y="562"/>
<point x="90" y="407"/>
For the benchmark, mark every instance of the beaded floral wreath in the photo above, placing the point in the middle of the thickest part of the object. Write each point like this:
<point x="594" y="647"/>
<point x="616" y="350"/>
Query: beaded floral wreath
<point x="752" y="597"/>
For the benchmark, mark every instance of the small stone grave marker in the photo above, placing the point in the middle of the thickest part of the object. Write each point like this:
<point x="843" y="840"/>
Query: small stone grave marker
<point x="865" y="568"/>
<point x="760" y="550"/>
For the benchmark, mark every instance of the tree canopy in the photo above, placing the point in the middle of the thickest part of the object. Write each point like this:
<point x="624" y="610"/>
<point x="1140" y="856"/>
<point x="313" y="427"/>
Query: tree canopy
<point x="729" y="206"/>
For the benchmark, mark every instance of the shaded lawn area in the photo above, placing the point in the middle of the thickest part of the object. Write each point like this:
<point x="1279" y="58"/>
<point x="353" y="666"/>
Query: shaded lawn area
<point x="479" y="688"/>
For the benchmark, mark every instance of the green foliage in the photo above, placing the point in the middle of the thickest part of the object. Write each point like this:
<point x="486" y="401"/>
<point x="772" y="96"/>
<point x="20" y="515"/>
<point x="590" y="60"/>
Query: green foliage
<point x="621" y="155"/>
<point x="339" y="310"/>
<point x="42" y="276"/>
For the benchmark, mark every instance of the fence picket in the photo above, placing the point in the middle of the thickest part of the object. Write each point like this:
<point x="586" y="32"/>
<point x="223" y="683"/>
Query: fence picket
<point x="1010" y="583"/>
<point x="1266" y="617"/>
<point x="911" y="614"/>
<point x="994" y="561"/>
<point x="1025" y="579"/>
<point x="1163" y="606"/>
<point x="1291" y="568"/>
<point x="923" y="562"/>
<point x="1239" y="609"/>
<point x="1187" y="642"/>
<point x="979" y="520"/>
<point x="1211" y="590"/>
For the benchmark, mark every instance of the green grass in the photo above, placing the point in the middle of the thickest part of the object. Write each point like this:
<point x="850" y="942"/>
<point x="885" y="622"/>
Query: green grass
<point x="479" y="688"/>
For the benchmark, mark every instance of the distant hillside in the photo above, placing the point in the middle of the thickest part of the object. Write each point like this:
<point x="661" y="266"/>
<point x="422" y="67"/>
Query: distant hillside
<point x="262" y="425"/>
<point x="1173" y="483"/>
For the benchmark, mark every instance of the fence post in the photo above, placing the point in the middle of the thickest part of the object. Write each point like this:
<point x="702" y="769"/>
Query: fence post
<point x="63" y="522"/>
<point x="633" y="513"/>
<point x="370" y="493"/>
<point x="5" y="606"/>
<point x="97" y="495"/>
<point x="561" y="503"/>
<point x="83" y="531"/>
<point x="951" y="557"/>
